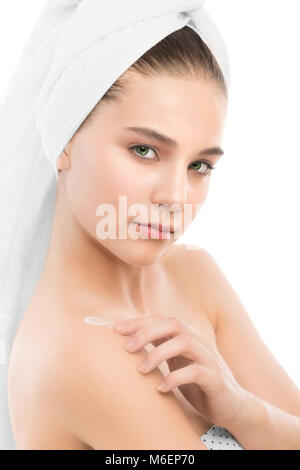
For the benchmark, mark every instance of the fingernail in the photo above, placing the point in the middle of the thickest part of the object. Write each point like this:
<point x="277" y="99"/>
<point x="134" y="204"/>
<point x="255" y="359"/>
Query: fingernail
<point x="162" y="387"/>
<point x="143" y="367"/>
<point x="122" y="326"/>
<point x="131" y="344"/>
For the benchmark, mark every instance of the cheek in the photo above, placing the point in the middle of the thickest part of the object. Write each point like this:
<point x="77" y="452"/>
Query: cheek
<point x="115" y="177"/>
<point x="198" y="189"/>
<point x="96" y="179"/>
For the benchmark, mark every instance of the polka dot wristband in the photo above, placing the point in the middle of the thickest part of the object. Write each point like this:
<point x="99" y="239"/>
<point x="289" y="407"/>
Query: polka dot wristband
<point x="218" y="438"/>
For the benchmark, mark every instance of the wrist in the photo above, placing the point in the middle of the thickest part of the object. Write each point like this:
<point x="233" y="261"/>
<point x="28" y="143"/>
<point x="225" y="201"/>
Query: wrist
<point x="252" y="413"/>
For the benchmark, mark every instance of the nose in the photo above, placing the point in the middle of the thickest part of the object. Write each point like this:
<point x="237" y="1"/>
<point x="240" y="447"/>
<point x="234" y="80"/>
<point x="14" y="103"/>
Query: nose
<point x="172" y="189"/>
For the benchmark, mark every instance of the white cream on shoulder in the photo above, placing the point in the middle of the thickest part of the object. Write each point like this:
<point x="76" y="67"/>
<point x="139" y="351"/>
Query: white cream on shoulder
<point x="94" y="320"/>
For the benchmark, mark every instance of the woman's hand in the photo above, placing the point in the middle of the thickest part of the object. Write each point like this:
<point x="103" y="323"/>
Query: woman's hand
<point x="197" y="368"/>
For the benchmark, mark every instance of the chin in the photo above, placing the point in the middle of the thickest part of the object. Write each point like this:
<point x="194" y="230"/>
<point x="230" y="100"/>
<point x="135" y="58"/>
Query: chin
<point x="140" y="252"/>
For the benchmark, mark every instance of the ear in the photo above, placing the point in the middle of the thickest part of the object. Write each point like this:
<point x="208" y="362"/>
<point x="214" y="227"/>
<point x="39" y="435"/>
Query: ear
<point x="64" y="160"/>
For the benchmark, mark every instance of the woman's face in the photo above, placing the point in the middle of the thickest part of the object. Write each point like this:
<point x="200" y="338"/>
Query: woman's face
<point x="107" y="174"/>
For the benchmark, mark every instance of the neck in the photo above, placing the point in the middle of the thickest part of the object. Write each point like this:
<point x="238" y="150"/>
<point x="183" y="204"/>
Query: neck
<point x="80" y="268"/>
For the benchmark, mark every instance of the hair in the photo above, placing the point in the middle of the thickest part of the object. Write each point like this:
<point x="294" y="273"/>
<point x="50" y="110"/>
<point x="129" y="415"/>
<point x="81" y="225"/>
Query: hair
<point x="182" y="53"/>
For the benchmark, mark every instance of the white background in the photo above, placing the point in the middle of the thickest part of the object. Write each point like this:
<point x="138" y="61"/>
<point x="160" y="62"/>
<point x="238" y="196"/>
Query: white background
<point x="250" y="221"/>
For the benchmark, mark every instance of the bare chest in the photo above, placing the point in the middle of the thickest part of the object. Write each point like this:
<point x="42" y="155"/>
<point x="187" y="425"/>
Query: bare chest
<point x="164" y="293"/>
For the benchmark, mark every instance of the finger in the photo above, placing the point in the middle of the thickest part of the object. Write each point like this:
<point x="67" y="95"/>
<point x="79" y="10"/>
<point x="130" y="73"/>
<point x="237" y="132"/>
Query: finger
<point x="193" y="373"/>
<point x="133" y="324"/>
<point x="151" y="332"/>
<point x="179" y="345"/>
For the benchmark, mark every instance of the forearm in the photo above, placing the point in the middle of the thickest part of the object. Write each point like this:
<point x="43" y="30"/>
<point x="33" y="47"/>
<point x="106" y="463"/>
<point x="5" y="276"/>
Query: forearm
<point x="262" y="426"/>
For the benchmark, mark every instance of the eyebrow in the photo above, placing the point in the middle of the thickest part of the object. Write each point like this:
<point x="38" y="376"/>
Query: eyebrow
<point x="152" y="133"/>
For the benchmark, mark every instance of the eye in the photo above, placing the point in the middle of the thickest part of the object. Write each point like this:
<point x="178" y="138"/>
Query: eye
<point x="207" y="171"/>
<point x="144" y="150"/>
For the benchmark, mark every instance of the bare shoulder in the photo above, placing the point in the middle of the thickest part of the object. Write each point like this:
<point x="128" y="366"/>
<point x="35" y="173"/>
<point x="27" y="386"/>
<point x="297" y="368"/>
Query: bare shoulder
<point x="39" y="361"/>
<point x="197" y="273"/>
<point x="110" y="405"/>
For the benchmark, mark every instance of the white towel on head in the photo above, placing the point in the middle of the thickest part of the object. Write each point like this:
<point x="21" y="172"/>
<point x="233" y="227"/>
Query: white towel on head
<point x="75" y="52"/>
<point x="97" y="46"/>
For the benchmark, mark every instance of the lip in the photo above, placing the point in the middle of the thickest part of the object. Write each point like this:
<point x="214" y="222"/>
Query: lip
<point x="158" y="227"/>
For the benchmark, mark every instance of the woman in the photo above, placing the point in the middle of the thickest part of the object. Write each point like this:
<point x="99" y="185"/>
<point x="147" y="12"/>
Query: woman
<point x="154" y="137"/>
